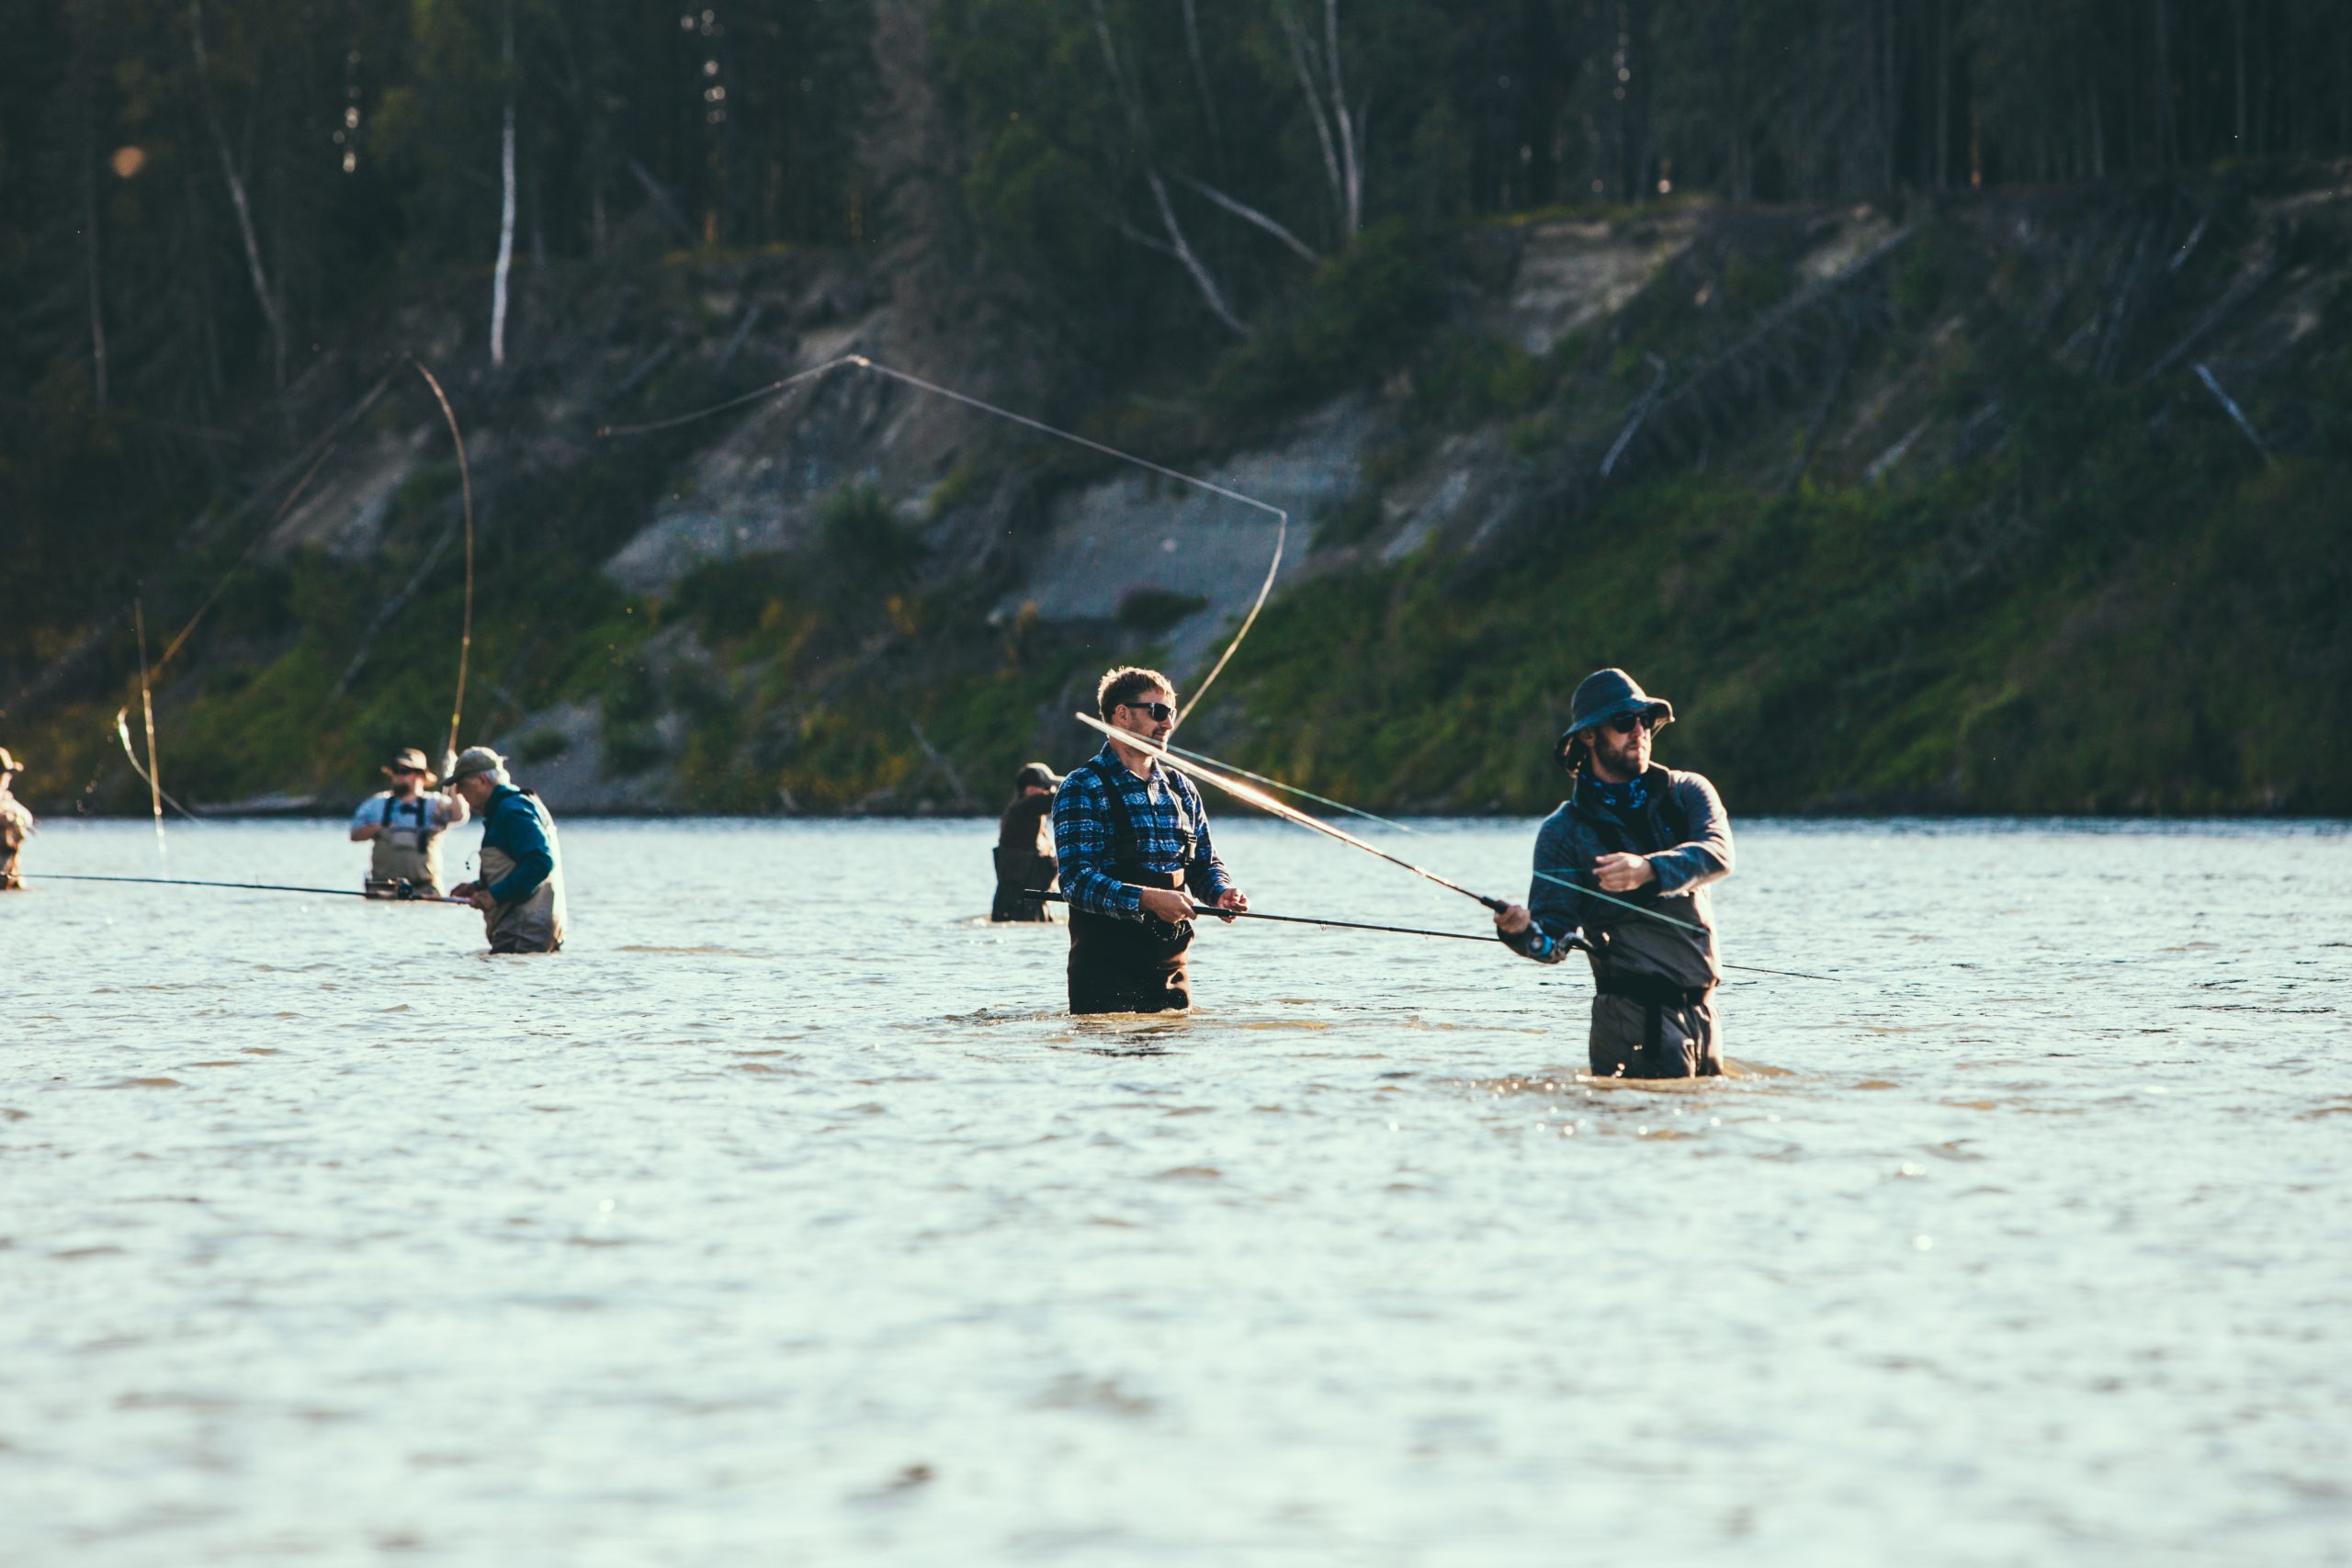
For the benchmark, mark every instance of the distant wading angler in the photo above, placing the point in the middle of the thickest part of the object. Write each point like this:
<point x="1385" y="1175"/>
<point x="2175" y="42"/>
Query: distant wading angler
<point x="15" y="823"/>
<point x="1133" y="840"/>
<point x="1024" y="846"/>
<point x="1652" y="837"/>
<point x="521" y="891"/>
<point x="403" y="825"/>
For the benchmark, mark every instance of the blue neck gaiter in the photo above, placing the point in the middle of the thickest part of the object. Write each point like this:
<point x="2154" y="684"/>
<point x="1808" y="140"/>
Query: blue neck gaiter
<point x="1631" y="795"/>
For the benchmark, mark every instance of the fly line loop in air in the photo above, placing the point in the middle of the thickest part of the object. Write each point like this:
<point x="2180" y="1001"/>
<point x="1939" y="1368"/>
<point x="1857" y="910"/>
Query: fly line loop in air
<point x="860" y="362"/>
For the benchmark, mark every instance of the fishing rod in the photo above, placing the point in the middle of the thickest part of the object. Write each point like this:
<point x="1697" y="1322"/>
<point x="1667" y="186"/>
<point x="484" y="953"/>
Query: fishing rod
<point x="1266" y="803"/>
<point x="860" y="362"/>
<point x="1205" y="910"/>
<point x="406" y="893"/>
<point x="466" y="493"/>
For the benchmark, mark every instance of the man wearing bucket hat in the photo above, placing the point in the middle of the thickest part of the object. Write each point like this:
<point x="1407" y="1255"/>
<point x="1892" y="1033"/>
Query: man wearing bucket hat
<point x="1024" y="846"/>
<point x="520" y="894"/>
<point x="15" y="823"/>
<point x="1651" y="839"/>
<point x="402" y="827"/>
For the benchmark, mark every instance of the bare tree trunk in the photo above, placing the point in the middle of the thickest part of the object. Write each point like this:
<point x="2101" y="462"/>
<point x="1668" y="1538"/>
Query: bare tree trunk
<point x="1201" y="84"/>
<point x="2162" y="126"/>
<point x="1350" y="152"/>
<point x="1183" y="252"/>
<point x="1250" y="214"/>
<point x="1943" y="93"/>
<point x="2237" y="53"/>
<point x="1175" y="244"/>
<point x="262" y="292"/>
<point x="505" y="209"/>
<point x="90" y="228"/>
<point x="1294" y="36"/>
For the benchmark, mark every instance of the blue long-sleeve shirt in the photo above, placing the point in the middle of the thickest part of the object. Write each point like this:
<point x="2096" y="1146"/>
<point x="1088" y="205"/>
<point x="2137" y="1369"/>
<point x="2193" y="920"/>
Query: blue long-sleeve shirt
<point x="1172" y="825"/>
<point x="1688" y="846"/>
<point x="516" y="825"/>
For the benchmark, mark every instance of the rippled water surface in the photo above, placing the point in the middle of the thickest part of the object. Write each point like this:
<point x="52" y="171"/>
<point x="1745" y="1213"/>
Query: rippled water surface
<point x="784" y="1217"/>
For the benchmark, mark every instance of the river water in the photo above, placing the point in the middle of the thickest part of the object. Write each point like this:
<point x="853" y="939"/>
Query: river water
<point x="784" y="1218"/>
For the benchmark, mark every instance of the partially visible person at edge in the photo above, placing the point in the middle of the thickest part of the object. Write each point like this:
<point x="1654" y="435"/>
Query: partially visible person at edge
<point x="520" y="894"/>
<point x="1024" y="846"/>
<point x="403" y="825"/>
<point x="1133" y="840"/>
<point x="1654" y="838"/>
<point x="15" y="823"/>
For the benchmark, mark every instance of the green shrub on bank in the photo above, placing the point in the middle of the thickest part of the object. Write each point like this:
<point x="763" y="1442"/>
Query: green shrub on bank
<point x="1364" y="309"/>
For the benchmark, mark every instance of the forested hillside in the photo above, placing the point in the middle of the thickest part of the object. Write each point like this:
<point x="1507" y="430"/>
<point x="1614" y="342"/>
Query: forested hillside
<point x="1945" y="402"/>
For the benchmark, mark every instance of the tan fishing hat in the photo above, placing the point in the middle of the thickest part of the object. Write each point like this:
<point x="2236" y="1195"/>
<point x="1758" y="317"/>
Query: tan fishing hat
<point x="408" y="759"/>
<point x="474" y="761"/>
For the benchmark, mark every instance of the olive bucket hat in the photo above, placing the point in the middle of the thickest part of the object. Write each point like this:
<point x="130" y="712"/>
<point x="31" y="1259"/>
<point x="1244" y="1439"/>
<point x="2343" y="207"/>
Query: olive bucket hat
<point x="1605" y="694"/>
<point x="475" y="761"/>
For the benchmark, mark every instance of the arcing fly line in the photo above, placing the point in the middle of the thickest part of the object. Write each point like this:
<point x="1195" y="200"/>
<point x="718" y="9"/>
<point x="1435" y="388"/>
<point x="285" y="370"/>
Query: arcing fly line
<point x="466" y="495"/>
<point x="860" y="362"/>
<point x="147" y="707"/>
<point x="130" y="753"/>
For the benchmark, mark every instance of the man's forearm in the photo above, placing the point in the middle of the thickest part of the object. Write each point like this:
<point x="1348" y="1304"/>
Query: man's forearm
<point x="1098" y="894"/>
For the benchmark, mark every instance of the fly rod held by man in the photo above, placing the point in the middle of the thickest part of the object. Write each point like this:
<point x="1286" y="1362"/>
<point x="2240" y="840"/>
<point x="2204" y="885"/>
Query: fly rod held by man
<point x="1132" y="839"/>
<point x="1654" y="838"/>
<point x="520" y="893"/>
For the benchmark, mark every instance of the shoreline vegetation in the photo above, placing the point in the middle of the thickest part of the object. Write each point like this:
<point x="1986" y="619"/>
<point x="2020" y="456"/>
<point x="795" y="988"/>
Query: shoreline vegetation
<point x="1964" y="481"/>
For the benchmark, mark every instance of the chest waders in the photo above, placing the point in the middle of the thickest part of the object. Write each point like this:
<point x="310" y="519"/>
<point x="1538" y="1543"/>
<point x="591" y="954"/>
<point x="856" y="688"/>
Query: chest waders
<point x="1025" y="859"/>
<point x="1132" y="965"/>
<point x="1647" y="1021"/>
<point x="407" y="848"/>
<point x="533" y="923"/>
<point x="14" y="823"/>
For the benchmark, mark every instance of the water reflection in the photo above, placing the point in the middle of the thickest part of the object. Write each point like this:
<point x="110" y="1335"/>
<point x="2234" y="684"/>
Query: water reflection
<point x="778" y="1217"/>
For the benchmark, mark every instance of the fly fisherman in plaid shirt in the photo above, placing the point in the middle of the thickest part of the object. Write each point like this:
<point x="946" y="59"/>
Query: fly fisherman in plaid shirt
<point x="1133" y="842"/>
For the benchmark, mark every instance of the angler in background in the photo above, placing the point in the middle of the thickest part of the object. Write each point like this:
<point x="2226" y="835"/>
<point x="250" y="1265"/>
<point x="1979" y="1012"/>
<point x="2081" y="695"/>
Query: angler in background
<point x="402" y="826"/>
<point x="15" y="823"/>
<point x="1132" y="838"/>
<point x="1655" y="839"/>
<point x="1024" y="846"/>
<point x="521" y="891"/>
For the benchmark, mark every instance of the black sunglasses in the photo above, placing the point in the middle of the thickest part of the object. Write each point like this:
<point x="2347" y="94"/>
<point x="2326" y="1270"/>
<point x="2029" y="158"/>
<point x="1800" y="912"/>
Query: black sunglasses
<point x="1626" y="723"/>
<point x="1161" y="712"/>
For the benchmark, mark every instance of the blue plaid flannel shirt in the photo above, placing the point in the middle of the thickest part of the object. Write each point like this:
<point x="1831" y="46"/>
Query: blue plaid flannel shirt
<point x="1164" y="804"/>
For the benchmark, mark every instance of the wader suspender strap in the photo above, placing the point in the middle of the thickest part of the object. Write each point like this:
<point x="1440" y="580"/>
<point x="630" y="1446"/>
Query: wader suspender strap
<point x="1655" y="996"/>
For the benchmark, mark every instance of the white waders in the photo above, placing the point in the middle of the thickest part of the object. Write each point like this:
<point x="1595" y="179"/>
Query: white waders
<point x="407" y="847"/>
<point x="533" y="924"/>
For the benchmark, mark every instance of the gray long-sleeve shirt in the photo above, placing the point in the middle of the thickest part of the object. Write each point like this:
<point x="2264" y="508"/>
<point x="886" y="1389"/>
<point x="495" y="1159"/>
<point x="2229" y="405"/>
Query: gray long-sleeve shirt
<point x="1683" y="832"/>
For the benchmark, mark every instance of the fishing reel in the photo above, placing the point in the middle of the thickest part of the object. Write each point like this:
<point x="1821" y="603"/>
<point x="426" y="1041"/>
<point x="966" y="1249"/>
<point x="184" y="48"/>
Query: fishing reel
<point x="398" y="889"/>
